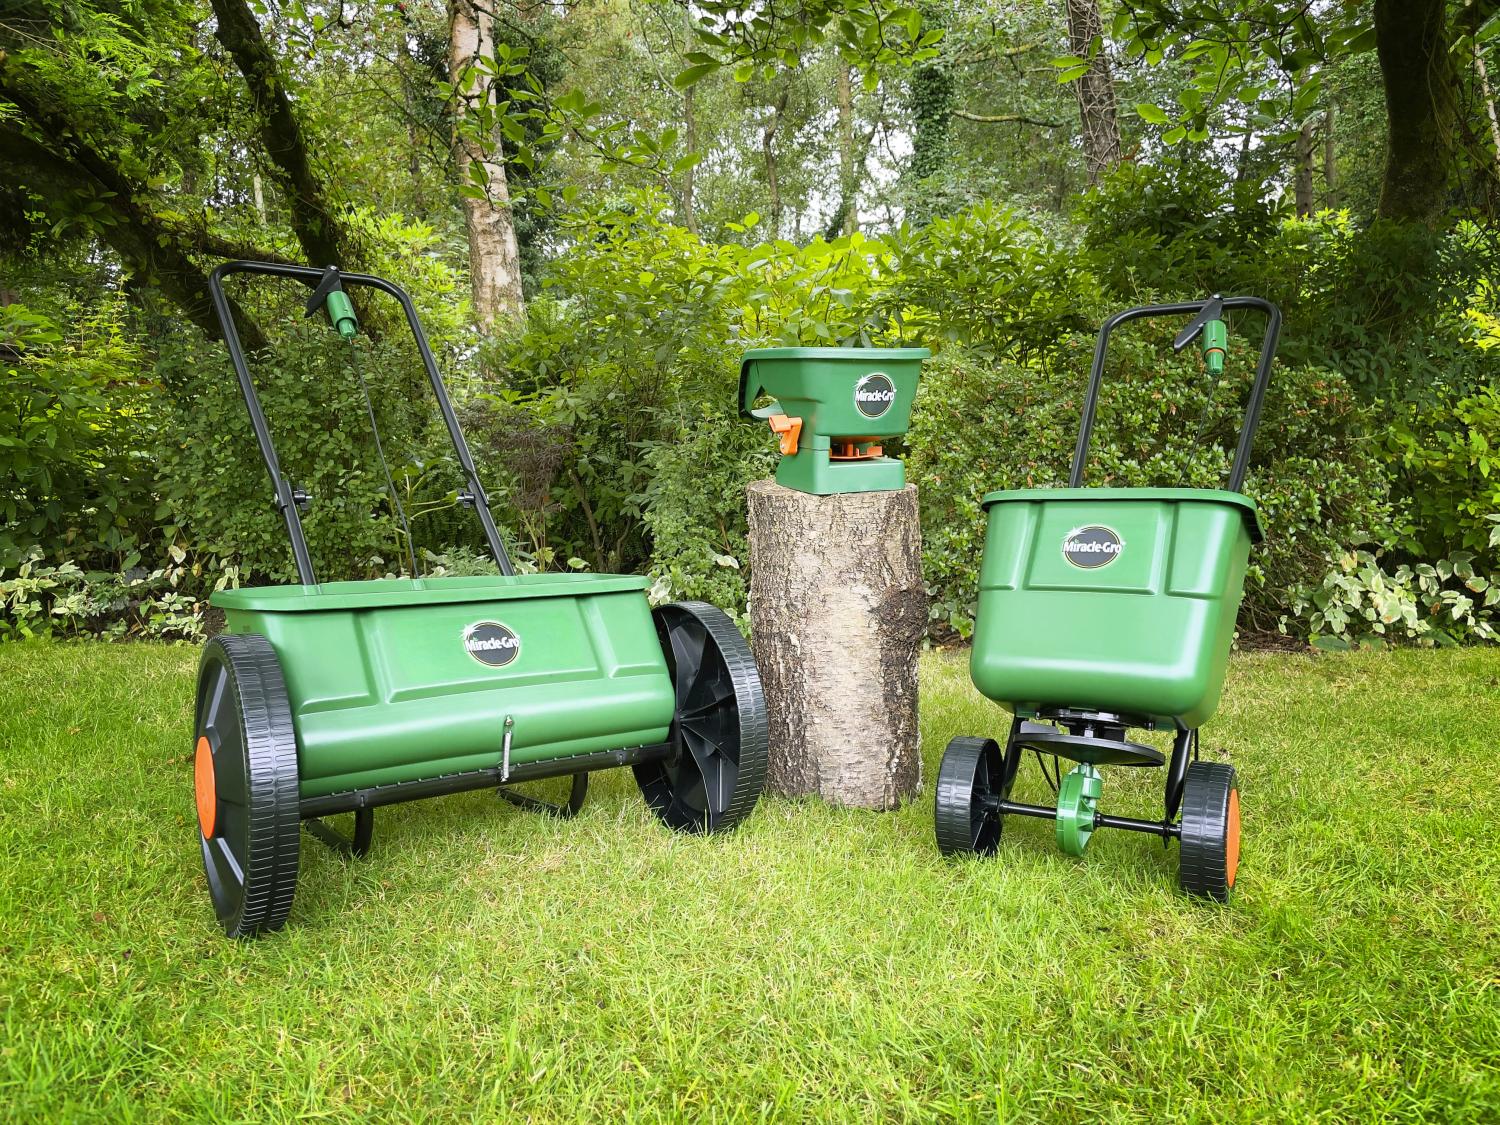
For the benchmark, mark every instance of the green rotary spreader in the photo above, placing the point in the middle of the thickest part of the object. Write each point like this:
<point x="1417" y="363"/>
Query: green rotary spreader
<point x="1107" y="609"/>
<point x="831" y="408"/>
<point x="339" y="697"/>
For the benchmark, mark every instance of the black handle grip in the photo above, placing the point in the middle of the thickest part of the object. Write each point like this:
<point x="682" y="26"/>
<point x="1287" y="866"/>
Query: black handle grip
<point x="285" y="494"/>
<point x="1216" y="305"/>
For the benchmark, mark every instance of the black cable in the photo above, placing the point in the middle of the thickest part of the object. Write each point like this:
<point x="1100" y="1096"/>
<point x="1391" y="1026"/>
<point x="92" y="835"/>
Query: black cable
<point x="380" y="452"/>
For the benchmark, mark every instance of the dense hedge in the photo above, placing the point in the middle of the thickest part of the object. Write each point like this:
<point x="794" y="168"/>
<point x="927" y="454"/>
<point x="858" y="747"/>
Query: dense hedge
<point x="606" y="428"/>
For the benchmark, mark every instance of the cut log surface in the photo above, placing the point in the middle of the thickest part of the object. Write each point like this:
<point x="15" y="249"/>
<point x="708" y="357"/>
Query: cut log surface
<point x="837" y="613"/>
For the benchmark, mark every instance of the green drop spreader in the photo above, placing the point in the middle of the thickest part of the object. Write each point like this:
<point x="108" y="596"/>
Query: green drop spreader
<point x="333" y="697"/>
<point x="1106" y="609"/>
<point x="831" y="409"/>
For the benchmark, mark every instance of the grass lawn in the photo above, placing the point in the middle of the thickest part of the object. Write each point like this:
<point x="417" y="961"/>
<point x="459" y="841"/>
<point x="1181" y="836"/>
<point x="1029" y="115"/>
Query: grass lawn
<point x="485" y="962"/>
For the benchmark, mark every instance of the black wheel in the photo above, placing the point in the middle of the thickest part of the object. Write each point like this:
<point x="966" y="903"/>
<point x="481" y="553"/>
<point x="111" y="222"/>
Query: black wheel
<point x="1210" y="831"/>
<point x="245" y="780"/>
<point x="970" y="782"/>
<point x="719" y="733"/>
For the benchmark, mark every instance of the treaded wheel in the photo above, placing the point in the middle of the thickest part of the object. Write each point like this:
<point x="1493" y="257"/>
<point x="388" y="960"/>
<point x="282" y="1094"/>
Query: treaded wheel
<point x="1210" y="831"/>
<point x="245" y="781"/>
<point x="719" y="731"/>
<point x="970" y="780"/>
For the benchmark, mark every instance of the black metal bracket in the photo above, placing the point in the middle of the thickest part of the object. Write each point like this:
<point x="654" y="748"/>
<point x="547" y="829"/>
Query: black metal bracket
<point x="565" y="811"/>
<point x="1257" y="389"/>
<point x="358" y="845"/>
<point x="286" y="500"/>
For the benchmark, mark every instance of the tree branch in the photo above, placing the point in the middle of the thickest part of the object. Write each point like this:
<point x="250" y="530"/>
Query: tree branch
<point x="313" y="221"/>
<point x="153" y="251"/>
<point x="1005" y="118"/>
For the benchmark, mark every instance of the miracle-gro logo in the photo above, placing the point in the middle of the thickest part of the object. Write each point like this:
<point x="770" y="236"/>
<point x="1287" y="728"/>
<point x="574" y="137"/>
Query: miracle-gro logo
<point x="492" y="643"/>
<point x="874" y="394"/>
<point x="1093" y="546"/>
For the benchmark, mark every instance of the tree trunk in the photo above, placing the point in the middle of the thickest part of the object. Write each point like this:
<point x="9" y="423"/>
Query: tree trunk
<point x="1411" y="40"/>
<point x="1303" y="188"/>
<point x="1488" y="97"/>
<point x="848" y="217"/>
<point x="767" y="144"/>
<point x="312" y="214"/>
<point x="837" y="612"/>
<point x="494" y="258"/>
<point x="690" y="137"/>
<point x="1097" y="111"/>
<point x="1330" y="163"/>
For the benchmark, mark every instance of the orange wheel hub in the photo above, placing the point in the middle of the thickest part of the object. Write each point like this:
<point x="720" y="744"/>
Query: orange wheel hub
<point x="1232" y="838"/>
<point x="205" y="790"/>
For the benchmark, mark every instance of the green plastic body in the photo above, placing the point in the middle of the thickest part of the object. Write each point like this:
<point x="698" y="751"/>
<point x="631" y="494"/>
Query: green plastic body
<point x="1145" y="633"/>
<point x="821" y="386"/>
<point x="384" y="686"/>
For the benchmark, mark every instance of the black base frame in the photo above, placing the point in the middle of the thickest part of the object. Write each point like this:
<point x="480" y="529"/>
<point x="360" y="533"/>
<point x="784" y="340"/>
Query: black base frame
<point x="1101" y="725"/>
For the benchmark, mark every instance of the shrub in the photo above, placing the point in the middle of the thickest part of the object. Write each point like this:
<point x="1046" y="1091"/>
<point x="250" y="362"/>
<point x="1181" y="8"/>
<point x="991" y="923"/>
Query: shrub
<point x="43" y="599"/>
<point x="1362" y="604"/>
<point x="74" y="428"/>
<point x="214" y="484"/>
<point x="977" y="428"/>
<point x="1446" y="461"/>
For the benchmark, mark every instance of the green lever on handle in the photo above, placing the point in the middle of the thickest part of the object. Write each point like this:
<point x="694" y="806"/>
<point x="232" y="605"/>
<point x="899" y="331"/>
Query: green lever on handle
<point x="1215" y="343"/>
<point x="330" y="296"/>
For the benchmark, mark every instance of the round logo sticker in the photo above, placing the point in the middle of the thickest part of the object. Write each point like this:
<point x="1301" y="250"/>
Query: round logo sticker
<point x="492" y="643"/>
<point x="874" y="394"/>
<point x="1092" y="547"/>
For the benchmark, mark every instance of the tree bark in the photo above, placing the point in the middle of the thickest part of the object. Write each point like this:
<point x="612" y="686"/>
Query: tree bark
<point x="494" y="257"/>
<point x="767" y="144"/>
<point x="690" y="138"/>
<point x="1412" y="43"/>
<point x="1097" y="111"/>
<point x="157" y="253"/>
<point x="312" y="216"/>
<point x="1302" y="191"/>
<point x="848" y="218"/>
<point x="1488" y="97"/>
<point x="837" y="610"/>
<point x="1330" y="163"/>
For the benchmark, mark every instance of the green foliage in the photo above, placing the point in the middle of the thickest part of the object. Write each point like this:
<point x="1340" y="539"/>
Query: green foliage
<point x="214" y="483"/>
<point x="40" y="599"/>
<point x="1362" y="604"/>
<point x="978" y="427"/>
<point x="616" y="438"/>
<point x="74" y="420"/>
<point x="1446" y="456"/>
<point x="695" y="508"/>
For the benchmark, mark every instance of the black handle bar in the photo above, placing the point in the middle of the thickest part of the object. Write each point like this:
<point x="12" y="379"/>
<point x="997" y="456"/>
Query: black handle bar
<point x="1257" y="389"/>
<point x="286" y="498"/>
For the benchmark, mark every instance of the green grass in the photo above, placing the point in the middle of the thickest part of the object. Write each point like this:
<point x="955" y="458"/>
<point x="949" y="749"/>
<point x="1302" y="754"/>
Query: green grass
<point x="486" y="963"/>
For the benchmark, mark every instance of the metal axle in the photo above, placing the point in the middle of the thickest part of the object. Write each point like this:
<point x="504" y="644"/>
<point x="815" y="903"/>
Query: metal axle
<point x="396" y="792"/>
<point x="1162" y="828"/>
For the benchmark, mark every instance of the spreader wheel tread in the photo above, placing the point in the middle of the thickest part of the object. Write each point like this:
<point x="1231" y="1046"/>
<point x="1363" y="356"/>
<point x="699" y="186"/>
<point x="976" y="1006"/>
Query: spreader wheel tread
<point x="256" y="714"/>
<point x="969" y="778"/>
<point x="721" y="726"/>
<point x="1210" y="842"/>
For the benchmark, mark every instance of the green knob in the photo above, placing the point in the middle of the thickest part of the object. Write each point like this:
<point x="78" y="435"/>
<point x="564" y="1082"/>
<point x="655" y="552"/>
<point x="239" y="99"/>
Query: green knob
<point x="1215" y="341"/>
<point x="341" y="314"/>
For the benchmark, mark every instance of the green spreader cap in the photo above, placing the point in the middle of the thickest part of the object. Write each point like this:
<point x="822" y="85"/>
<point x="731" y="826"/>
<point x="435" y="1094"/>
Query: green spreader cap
<point x="830" y="407"/>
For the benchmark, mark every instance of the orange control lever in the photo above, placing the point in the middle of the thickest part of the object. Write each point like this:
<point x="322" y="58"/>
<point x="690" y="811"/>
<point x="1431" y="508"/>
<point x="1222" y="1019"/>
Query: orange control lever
<point x="790" y="430"/>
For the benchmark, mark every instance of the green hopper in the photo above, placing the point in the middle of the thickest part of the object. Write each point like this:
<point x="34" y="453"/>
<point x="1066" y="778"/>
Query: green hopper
<point x="340" y="697"/>
<point x="832" y="408"/>
<point x="1106" y="609"/>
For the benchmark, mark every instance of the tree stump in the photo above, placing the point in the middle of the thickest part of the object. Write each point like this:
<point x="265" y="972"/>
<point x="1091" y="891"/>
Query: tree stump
<point x="837" y="612"/>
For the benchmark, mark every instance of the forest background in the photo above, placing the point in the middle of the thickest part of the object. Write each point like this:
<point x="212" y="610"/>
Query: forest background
<point x="599" y="206"/>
